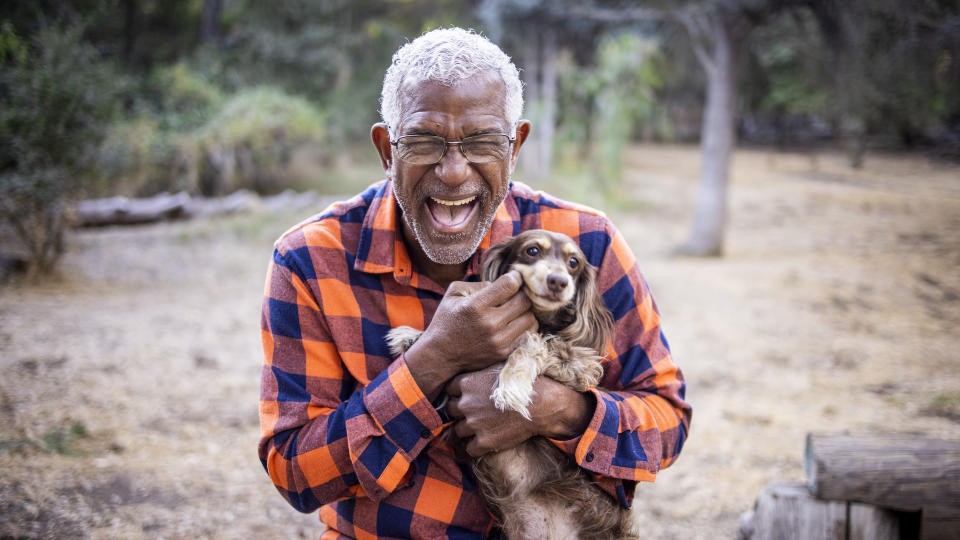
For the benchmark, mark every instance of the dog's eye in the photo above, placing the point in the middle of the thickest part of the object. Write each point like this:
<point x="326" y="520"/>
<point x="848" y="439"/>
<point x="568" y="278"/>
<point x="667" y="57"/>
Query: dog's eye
<point x="533" y="251"/>
<point x="573" y="262"/>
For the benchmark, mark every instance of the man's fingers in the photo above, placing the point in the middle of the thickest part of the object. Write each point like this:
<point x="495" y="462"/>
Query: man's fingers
<point x="464" y="288"/>
<point x="502" y="289"/>
<point x="520" y="326"/>
<point x="515" y="306"/>
<point x="453" y="408"/>
<point x="462" y="431"/>
<point x="473" y="448"/>
<point x="453" y="387"/>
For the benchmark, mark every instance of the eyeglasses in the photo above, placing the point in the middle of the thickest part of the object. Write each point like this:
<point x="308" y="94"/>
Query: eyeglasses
<point x="430" y="149"/>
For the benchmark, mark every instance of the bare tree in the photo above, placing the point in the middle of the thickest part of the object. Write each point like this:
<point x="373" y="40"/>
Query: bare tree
<point x="718" y="34"/>
<point x="533" y="29"/>
<point x="718" y="31"/>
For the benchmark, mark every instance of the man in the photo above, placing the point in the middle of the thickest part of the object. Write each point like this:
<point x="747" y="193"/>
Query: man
<point x="354" y="432"/>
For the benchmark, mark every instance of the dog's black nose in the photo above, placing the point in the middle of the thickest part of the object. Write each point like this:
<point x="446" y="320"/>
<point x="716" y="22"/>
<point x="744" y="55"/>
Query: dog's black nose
<point x="557" y="282"/>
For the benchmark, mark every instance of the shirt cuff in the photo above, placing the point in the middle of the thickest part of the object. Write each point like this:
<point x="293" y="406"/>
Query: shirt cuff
<point x="400" y="408"/>
<point x="595" y="448"/>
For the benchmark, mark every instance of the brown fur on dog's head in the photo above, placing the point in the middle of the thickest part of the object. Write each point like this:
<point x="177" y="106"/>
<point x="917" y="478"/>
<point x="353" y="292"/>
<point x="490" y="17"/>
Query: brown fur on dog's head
<point x="560" y="283"/>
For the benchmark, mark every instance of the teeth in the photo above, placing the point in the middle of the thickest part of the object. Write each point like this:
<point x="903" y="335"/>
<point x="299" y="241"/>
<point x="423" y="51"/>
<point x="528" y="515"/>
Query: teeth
<point x="454" y="203"/>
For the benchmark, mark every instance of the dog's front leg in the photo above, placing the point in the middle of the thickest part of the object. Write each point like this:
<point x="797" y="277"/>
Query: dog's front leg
<point x="579" y="368"/>
<point x="401" y="338"/>
<point x="514" y="388"/>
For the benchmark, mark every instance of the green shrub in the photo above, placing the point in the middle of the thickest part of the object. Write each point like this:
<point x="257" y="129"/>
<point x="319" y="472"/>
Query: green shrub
<point x="57" y="96"/>
<point x="187" y="99"/>
<point x="204" y="143"/>
<point x="250" y="141"/>
<point x="139" y="159"/>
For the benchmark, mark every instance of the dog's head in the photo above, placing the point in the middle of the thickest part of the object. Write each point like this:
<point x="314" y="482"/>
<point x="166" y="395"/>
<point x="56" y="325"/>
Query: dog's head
<point x="557" y="278"/>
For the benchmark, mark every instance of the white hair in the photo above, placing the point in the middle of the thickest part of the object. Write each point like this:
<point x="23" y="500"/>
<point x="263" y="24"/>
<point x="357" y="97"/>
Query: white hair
<point x="448" y="56"/>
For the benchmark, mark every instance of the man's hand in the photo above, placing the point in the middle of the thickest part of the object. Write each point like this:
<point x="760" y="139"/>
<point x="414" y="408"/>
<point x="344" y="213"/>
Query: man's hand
<point x="475" y="325"/>
<point x="557" y="411"/>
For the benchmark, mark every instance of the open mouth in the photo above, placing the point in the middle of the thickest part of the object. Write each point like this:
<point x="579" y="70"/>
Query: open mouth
<point x="451" y="216"/>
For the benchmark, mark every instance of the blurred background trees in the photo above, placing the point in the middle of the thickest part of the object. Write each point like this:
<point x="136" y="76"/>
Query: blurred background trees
<point x="136" y="97"/>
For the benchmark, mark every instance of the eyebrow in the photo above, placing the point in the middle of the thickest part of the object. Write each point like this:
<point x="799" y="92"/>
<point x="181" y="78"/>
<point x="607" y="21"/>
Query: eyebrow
<point x="419" y="131"/>
<point x="428" y="131"/>
<point x="492" y="131"/>
<point x="540" y="243"/>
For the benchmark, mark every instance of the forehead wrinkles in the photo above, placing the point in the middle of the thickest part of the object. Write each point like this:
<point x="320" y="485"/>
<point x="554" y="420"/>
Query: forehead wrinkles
<point x="479" y="99"/>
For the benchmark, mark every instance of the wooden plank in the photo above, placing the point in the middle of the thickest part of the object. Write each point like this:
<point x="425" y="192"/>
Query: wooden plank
<point x="788" y="512"/>
<point x="867" y="522"/>
<point x="897" y="471"/>
<point x="940" y="527"/>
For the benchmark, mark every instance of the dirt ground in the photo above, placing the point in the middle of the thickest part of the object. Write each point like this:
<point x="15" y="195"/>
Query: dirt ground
<point x="128" y="386"/>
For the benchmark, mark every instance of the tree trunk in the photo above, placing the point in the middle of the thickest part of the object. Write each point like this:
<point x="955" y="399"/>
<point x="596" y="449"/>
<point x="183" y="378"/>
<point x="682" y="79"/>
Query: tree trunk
<point x="548" y="102"/>
<point x="210" y="21"/>
<point x="540" y="78"/>
<point x="718" y="138"/>
<point x="131" y="18"/>
<point x="530" y="73"/>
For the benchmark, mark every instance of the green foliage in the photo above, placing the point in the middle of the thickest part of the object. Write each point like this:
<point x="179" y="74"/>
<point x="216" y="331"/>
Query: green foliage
<point x="187" y="99"/>
<point x="883" y="69"/>
<point x="206" y="143"/>
<point x="607" y="106"/>
<point x="57" y="97"/>
<point x="249" y="141"/>
<point x="63" y="441"/>
<point x="791" y="90"/>
<point x="139" y="158"/>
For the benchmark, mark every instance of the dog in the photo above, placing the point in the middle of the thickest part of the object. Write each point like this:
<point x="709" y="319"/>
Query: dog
<point x="534" y="489"/>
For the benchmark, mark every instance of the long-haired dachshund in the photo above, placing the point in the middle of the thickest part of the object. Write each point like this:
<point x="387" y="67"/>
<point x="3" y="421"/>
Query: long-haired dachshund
<point x="534" y="489"/>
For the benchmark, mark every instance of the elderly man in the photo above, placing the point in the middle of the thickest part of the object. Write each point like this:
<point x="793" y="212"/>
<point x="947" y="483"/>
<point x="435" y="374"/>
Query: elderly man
<point x="355" y="432"/>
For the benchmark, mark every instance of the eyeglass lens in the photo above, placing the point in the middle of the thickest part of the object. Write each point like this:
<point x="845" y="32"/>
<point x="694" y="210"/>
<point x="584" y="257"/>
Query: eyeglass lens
<point x="429" y="149"/>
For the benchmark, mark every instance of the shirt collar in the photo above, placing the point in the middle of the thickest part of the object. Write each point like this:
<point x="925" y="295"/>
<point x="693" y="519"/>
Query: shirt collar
<point x="381" y="248"/>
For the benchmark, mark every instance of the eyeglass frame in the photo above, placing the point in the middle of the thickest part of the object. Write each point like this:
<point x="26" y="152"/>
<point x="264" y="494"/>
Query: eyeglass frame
<point x="446" y="144"/>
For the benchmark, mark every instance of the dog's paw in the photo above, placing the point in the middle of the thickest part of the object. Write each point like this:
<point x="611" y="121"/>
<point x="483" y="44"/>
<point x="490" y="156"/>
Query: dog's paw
<point x="507" y="396"/>
<point x="401" y="338"/>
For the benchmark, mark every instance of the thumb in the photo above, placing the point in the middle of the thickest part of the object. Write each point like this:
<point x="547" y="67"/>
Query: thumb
<point x="502" y="289"/>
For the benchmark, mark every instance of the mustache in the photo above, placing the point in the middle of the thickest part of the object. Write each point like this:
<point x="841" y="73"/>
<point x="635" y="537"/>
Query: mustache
<point x="443" y="191"/>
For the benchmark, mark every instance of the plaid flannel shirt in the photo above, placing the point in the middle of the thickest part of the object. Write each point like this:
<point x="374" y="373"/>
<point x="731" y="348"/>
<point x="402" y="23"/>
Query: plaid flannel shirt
<point x="345" y="427"/>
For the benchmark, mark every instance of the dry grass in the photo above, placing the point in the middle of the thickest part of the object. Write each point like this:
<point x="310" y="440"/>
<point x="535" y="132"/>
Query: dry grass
<point x="128" y="387"/>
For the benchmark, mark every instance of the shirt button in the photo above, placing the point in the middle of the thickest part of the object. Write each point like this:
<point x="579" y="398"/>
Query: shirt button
<point x="426" y="434"/>
<point x="589" y="457"/>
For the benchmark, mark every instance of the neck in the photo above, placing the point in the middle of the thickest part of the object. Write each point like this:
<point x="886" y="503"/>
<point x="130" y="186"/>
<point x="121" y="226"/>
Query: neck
<point x="441" y="274"/>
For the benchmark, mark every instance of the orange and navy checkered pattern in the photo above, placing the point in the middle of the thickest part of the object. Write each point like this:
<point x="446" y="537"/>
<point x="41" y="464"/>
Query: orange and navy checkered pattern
<point x="345" y="427"/>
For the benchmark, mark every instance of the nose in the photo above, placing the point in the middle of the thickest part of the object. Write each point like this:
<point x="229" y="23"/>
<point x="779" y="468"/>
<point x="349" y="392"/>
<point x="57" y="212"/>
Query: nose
<point x="557" y="282"/>
<point x="453" y="169"/>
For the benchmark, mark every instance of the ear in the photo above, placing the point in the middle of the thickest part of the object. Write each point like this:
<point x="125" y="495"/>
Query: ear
<point x="380" y="136"/>
<point x="523" y="131"/>
<point x="495" y="262"/>
<point x="594" y="323"/>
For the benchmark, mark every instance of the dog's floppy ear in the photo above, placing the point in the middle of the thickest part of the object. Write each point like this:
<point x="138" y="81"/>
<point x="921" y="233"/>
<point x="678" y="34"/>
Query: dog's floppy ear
<point x="495" y="263"/>
<point x="594" y="324"/>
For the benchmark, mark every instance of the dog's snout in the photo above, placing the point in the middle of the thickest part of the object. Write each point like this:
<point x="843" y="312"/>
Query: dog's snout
<point x="557" y="282"/>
